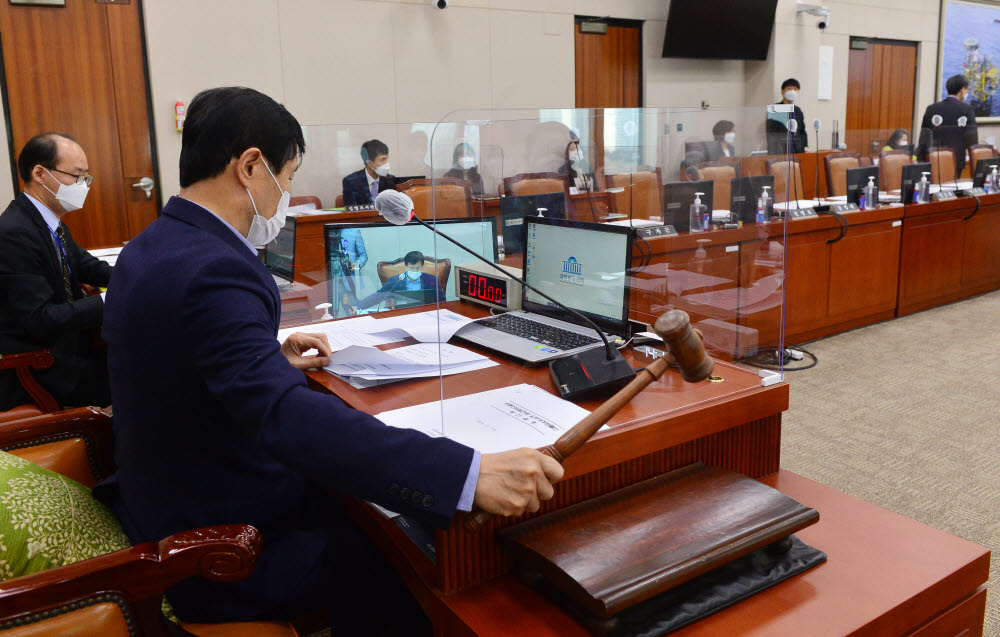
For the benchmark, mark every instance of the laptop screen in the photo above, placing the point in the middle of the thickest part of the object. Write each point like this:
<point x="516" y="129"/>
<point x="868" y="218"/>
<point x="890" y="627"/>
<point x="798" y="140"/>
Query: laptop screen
<point x="582" y="265"/>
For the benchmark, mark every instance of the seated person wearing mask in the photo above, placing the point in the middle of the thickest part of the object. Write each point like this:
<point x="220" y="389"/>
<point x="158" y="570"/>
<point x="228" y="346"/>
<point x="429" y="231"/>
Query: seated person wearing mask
<point x="463" y="166"/>
<point x="411" y="287"/>
<point x="363" y="186"/>
<point x="575" y="167"/>
<point x="41" y="269"/>
<point x="724" y="133"/>
<point x="222" y="428"/>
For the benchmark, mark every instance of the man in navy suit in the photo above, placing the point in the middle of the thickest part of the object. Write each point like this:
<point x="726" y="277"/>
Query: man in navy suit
<point x="214" y="422"/>
<point x="958" y="129"/>
<point x="363" y="186"/>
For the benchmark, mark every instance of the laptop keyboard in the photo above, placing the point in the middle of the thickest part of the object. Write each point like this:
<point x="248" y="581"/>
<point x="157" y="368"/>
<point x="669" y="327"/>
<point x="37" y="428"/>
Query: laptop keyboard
<point x="539" y="332"/>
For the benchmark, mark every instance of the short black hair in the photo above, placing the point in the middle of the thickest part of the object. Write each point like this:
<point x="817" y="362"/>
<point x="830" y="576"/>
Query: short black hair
<point x="372" y="149"/>
<point x="722" y="127"/>
<point x="956" y="83"/>
<point x="41" y="149"/>
<point x="222" y="123"/>
<point x="414" y="256"/>
<point x="791" y="82"/>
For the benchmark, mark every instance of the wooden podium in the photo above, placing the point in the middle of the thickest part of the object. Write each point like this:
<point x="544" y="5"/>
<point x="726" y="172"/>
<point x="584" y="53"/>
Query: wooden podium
<point x="886" y="575"/>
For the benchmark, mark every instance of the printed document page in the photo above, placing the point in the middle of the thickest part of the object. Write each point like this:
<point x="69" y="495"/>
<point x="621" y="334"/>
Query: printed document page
<point x="427" y="327"/>
<point x="342" y="334"/>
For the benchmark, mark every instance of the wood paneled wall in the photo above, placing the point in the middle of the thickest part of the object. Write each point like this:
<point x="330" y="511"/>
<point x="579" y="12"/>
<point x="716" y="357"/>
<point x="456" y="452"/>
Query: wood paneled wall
<point x="881" y="84"/>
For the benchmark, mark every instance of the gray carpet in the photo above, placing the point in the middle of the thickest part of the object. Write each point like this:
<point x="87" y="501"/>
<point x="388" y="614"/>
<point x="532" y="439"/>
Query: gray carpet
<point x="906" y="414"/>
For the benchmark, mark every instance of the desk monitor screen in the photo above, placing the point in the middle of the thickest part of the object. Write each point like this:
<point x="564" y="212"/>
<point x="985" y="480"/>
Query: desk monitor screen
<point x="354" y="251"/>
<point x="279" y="256"/>
<point x="983" y="169"/>
<point x="513" y="210"/>
<point x="677" y="199"/>
<point x="582" y="265"/>
<point x="857" y="179"/>
<point x="910" y="179"/>
<point x="744" y="192"/>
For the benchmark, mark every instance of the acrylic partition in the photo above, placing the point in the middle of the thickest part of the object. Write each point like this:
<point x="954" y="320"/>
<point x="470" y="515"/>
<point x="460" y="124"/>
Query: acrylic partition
<point x="616" y="241"/>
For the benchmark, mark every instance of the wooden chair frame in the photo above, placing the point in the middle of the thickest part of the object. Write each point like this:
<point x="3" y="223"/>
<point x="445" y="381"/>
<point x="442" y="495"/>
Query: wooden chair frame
<point x="434" y="184"/>
<point x="22" y="363"/>
<point x="829" y="159"/>
<point x="799" y="185"/>
<point x="885" y="180"/>
<point x="508" y="182"/>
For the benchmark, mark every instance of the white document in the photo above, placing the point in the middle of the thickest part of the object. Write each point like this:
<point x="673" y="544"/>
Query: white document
<point x="341" y="334"/>
<point x="364" y="382"/>
<point x="427" y="327"/>
<point x="493" y="421"/>
<point x="423" y="359"/>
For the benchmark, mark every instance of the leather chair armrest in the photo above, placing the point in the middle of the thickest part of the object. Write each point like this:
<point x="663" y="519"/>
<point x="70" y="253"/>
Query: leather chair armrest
<point x="22" y="363"/>
<point x="91" y="424"/>
<point x="218" y="553"/>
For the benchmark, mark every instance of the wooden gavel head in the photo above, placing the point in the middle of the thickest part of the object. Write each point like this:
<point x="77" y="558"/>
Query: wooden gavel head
<point x="674" y="327"/>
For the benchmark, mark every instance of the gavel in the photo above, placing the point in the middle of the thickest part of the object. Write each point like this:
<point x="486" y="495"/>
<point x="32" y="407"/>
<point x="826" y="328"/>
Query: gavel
<point x="685" y="348"/>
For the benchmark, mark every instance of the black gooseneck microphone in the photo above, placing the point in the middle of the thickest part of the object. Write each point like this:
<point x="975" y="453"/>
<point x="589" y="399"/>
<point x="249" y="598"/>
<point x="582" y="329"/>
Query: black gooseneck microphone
<point x="602" y="372"/>
<point x="816" y="126"/>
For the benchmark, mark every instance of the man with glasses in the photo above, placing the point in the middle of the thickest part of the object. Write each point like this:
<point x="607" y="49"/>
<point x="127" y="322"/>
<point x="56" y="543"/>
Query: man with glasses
<point x="41" y="268"/>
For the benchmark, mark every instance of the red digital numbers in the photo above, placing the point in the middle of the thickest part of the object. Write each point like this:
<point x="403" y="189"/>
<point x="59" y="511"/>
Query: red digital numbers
<point x="480" y="288"/>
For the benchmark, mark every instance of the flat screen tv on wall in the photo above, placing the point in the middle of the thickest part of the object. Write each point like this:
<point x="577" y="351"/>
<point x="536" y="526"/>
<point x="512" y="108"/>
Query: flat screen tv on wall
<point x="719" y="29"/>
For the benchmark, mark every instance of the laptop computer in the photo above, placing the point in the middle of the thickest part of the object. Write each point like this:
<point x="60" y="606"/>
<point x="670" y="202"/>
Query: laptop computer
<point x="983" y="169"/>
<point x="857" y="180"/>
<point x="743" y="195"/>
<point x="582" y="265"/>
<point x="678" y="197"/>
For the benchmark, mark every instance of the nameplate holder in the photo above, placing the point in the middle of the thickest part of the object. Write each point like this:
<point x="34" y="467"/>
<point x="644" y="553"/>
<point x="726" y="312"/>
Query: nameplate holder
<point x="944" y="195"/>
<point x="973" y="192"/>
<point x="801" y="213"/>
<point x="651" y="232"/>
<point x="841" y="208"/>
<point x="359" y="207"/>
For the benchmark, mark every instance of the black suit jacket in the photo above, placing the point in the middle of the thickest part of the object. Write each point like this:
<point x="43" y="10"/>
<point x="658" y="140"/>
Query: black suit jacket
<point x="356" y="187"/>
<point x="34" y="310"/>
<point x="949" y="134"/>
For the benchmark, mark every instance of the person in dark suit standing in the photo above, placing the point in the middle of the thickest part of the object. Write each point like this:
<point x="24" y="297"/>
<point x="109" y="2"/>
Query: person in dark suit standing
<point x="41" y="269"/>
<point x="363" y="186"/>
<point x="777" y="132"/>
<point x="214" y="421"/>
<point x="957" y="129"/>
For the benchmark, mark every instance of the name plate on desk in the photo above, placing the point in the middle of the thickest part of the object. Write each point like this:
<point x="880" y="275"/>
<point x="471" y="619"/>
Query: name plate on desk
<point x="973" y="192"/>
<point x="841" y="208"/>
<point x="656" y="231"/>
<point x="359" y="207"/>
<point x="801" y="213"/>
<point x="944" y="195"/>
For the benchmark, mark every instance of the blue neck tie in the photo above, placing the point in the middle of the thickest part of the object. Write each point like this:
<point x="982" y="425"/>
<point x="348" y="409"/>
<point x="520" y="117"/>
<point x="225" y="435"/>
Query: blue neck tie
<point x="374" y="190"/>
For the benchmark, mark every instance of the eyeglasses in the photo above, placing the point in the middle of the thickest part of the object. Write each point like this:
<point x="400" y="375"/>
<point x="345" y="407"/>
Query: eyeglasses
<point x="80" y="179"/>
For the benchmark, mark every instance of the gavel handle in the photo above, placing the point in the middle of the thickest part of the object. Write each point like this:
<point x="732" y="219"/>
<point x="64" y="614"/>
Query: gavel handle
<point x="582" y="431"/>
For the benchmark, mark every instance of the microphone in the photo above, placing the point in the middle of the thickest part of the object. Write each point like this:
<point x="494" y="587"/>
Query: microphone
<point x="602" y="371"/>
<point x="937" y="120"/>
<point x="816" y="126"/>
<point x="793" y="126"/>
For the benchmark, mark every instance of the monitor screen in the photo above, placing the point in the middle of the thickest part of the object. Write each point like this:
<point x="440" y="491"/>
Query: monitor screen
<point x="857" y="179"/>
<point x="720" y="29"/>
<point x="983" y="168"/>
<point x="279" y="257"/>
<point x="513" y="210"/>
<point x="582" y="265"/>
<point x="910" y="179"/>
<point x="743" y="195"/>
<point x="678" y="197"/>
<point x="355" y="250"/>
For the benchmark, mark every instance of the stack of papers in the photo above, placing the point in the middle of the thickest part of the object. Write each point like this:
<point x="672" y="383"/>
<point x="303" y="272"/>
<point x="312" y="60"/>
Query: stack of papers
<point x="342" y="334"/>
<point x="435" y="326"/>
<point x="367" y="366"/>
<point x="493" y="421"/>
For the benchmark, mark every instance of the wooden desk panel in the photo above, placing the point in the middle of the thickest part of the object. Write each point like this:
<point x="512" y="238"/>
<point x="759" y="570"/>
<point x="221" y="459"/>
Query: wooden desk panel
<point x="863" y="271"/>
<point x="930" y="268"/>
<point x="886" y="575"/>
<point x="981" y="252"/>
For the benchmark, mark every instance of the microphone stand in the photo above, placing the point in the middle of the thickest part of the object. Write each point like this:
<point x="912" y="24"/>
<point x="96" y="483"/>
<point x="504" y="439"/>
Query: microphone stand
<point x="819" y="199"/>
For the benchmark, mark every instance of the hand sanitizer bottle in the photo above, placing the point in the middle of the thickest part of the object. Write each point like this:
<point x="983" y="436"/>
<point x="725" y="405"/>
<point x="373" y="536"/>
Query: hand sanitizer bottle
<point x="925" y="189"/>
<point x="764" y="206"/>
<point x="871" y="195"/>
<point x="699" y="214"/>
<point x="994" y="182"/>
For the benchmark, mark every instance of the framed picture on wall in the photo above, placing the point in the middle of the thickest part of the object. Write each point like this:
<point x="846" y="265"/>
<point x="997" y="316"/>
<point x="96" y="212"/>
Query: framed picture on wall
<point x="969" y="44"/>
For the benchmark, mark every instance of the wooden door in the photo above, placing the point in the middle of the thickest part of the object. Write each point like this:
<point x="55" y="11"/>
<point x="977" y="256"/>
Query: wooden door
<point x="80" y="69"/>
<point x="881" y="83"/>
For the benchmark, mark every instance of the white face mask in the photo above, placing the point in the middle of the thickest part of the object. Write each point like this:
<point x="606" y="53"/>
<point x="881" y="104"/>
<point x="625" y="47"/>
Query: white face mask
<point x="383" y="170"/>
<point x="791" y="96"/>
<point x="466" y="162"/>
<point x="263" y="231"/>
<point x="71" y="197"/>
<point x="413" y="276"/>
<point x="729" y="137"/>
<point x="574" y="155"/>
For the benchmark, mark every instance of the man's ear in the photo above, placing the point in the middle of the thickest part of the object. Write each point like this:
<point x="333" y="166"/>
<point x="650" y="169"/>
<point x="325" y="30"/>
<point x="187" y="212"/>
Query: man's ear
<point x="37" y="173"/>
<point x="246" y="163"/>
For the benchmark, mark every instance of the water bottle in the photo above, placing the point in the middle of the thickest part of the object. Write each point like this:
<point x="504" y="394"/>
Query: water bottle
<point x="924" y="192"/>
<point x="699" y="214"/>
<point x="871" y="195"/>
<point x="764" y="206"/>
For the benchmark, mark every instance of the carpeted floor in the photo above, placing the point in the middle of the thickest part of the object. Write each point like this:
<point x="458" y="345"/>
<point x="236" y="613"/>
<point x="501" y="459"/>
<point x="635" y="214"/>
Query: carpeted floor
<point x="906" y="414"/>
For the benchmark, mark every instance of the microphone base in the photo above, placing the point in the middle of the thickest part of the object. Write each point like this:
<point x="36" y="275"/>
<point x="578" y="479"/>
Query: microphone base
<point x="590" y="375"/>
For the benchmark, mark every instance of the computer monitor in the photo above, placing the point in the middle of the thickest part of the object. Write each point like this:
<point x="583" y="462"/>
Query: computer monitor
<point x="857" y="179"/>
<point x="743" y="195"/>
<point x="983" y="169"/>
<point x="910" y="179"/>
<point x="514" y="209"/>
<point x="345" y="243"/>
<point x="677" y="199"/>
<point x="279" y="255"/>
<point x="582" y="265"/>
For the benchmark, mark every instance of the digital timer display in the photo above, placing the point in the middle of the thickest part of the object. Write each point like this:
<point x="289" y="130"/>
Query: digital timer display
<point x="489" y="289"/>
